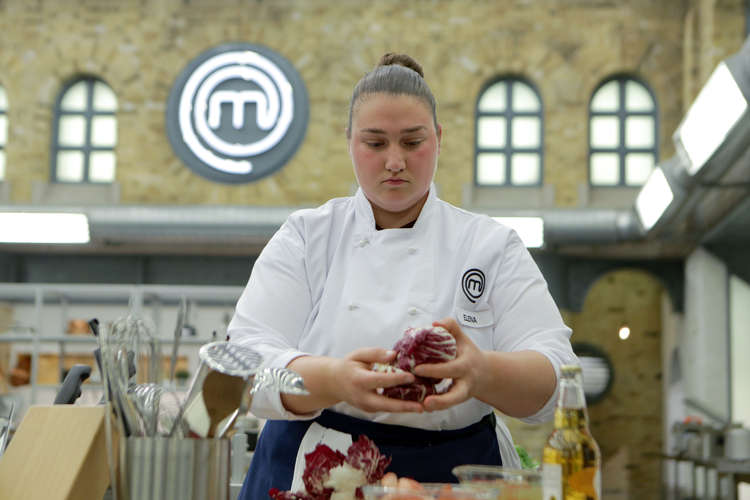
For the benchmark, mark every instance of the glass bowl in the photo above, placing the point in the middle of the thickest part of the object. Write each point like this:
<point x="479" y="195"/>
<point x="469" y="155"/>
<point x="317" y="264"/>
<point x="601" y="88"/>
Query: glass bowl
<point x="428" y="491"/>
<point x="376" y="492"/>
<point x="511" y="484"/>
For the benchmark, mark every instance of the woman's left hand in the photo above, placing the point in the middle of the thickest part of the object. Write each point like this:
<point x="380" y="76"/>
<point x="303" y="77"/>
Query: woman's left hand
<point x="466" y="370"/>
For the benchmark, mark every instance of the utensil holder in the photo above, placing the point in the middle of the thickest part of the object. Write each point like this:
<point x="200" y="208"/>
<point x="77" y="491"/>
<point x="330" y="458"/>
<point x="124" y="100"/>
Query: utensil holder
<point x="163" y="468"/>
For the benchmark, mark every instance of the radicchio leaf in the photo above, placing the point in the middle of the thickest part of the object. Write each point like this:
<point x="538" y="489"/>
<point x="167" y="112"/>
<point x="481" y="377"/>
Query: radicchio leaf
<point x="424" y="345"/>
<point x="318" y="463"/>
<point x="363" y="454"/>
<point x="416" y="391"/>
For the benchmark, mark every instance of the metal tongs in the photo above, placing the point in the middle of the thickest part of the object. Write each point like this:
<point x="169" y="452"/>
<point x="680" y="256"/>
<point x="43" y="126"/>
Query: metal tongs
<point x="228" y="359"/>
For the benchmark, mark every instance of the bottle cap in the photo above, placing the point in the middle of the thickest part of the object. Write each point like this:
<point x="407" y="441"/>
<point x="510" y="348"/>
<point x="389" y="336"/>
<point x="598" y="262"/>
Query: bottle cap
<point x="570" y="369"/>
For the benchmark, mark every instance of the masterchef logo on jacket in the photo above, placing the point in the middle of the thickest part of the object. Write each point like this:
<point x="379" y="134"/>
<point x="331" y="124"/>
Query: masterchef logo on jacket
<point x="472" y="284"/>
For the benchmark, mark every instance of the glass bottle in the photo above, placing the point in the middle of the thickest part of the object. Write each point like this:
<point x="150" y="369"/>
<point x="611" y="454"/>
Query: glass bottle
<point x="571" y="461"/>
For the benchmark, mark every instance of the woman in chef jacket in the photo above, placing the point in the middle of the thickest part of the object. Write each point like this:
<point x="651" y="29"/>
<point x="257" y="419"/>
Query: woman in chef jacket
<point x="338" y="285"/>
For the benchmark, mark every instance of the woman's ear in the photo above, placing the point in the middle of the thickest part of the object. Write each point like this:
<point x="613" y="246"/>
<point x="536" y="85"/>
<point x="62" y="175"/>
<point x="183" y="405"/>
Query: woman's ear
<point x="439" y="132"/>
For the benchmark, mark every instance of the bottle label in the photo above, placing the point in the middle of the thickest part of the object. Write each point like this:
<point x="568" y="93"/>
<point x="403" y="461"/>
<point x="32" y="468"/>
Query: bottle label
<point x="552" y="482"/>
<point x="586" y="481"/>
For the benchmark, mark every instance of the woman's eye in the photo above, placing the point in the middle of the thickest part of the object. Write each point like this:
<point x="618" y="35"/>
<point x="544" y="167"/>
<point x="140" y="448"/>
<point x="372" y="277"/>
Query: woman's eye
<point x="375" y="144"/>
<point x="413" y="143"/>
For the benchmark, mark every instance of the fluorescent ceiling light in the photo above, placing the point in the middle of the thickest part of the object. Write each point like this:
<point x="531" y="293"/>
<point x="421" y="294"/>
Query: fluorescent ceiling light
<point x="653" y="199"/>
<point x="718" y="107"/>
<point x="529" y="229"/>
<point x="38" y="227"/>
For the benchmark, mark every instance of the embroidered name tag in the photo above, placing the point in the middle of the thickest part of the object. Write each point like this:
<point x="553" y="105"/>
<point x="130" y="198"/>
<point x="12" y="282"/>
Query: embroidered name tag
<point x="475" y="319"/>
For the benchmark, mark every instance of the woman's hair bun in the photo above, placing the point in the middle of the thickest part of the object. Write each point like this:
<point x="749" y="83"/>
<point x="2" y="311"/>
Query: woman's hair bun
<point x="390" y="59"/>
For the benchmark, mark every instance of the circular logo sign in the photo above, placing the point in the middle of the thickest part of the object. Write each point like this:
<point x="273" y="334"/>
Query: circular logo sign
<point x="237" y="112"/>
<point x="472" y="284"/>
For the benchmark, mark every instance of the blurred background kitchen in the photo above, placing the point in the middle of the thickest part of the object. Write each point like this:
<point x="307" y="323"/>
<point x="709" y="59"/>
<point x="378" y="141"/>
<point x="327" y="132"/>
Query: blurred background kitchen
<point x="613" y="134"/>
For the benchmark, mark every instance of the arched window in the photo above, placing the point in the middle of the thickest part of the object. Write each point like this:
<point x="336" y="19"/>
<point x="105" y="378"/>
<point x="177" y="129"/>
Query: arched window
<point x="3" y="130"/>
<point x="85" y="133"/>
<point x="509" y="134"/>
<point x="623" y="133"/>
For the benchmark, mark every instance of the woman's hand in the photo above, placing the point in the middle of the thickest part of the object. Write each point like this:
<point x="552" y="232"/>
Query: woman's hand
<point x="466" y="370"/>
<point x="517" y="383"/>
<point x="357" y="383"/>
<point x="351" y="379"/>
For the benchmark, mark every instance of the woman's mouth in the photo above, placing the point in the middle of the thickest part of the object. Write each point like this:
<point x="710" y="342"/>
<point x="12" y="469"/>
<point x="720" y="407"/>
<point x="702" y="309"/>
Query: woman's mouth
<point x="394" y="182"/>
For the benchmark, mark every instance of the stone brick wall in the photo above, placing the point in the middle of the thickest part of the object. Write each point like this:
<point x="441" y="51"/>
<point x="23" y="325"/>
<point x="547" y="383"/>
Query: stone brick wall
<point x="565" y="47"/>
<point x="628" y="421"/>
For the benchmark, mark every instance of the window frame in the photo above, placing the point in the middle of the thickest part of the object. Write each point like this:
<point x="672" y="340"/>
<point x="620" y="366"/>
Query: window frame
<point x="621" y="114"/>
<point x="88" y="114"/>
<point x="509" y="114"/>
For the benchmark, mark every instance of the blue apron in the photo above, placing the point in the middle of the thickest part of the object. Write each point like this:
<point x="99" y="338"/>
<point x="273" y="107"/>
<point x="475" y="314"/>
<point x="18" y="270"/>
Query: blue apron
<point x="427" y="456"/>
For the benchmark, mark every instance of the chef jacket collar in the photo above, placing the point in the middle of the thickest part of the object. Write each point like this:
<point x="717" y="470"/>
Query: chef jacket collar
<point x="366" y="219"/>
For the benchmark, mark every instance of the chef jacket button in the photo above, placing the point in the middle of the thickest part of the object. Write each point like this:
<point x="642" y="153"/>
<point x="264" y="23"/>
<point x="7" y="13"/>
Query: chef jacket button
<point x="413" y="311"/>
<point x="412" y="251"/>
<point x="352" y="307"/>
<point x="363" y="242"/>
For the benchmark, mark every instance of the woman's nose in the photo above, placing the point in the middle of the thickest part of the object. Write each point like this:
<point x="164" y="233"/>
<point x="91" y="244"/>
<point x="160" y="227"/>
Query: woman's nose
<point x="395" y="161"/>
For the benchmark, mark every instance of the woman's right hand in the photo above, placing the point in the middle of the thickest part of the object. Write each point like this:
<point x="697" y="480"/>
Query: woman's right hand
<point x="358" y="383"/>
<point x="351" y="380"/>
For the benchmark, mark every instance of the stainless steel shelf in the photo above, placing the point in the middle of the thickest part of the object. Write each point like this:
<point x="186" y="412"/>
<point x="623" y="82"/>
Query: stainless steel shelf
<point x="83" y="339"/>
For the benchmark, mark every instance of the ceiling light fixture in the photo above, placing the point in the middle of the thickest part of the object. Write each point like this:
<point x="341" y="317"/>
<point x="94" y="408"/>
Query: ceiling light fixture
<point x="716" y="113"/>
<point x="41" y="227"/>
<point x="529" y="229"/>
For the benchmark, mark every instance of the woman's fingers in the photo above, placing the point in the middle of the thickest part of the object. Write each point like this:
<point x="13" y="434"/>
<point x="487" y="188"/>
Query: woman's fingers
<point x="374" y="402"/>
<point x="458" y="393"/>
<point x="449" y="369"/>
<point x="391" y="379"/>
<point x="372" y="355"/>
<point x="450" y="325"/>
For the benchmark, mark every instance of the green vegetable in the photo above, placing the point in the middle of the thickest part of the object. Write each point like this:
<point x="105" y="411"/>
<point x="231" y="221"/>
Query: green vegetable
<point x="526" y="461"/>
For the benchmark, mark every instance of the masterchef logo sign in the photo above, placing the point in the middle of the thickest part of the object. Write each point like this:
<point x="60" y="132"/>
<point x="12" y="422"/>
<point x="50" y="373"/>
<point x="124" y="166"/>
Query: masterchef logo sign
<point x="237" y="112"/>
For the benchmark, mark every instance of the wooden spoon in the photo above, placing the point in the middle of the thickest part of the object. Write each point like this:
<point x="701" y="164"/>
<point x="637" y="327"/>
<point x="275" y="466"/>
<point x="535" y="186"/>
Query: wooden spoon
<point x="222" y="395"/>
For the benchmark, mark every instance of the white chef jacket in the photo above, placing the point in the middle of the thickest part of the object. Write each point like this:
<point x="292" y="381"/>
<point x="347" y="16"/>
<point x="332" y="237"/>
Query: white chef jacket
<point x="328" y="282"/>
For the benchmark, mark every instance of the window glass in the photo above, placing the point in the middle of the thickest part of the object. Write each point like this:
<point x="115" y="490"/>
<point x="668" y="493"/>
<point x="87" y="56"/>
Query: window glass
<point x="491" y="132"/>
<point x="491" y="169"/>
<point x="103" y="131"/>
<point x="638" y="167"/>
<point x="605" y="169"/>
<point x="75" y="98"/>
<point x="525" y="169"/>
<point x="494" y="98"/>
<point x="623" y="133"/>
<point x="72" y="131"/>
<point x="104" y="98"/>
<point x="70" y="166"/>
<point x="639" y="132"/>
<point x="524" y="98"/>
<point x="637" y="97"/>
<point x="86" y="126"/>
<point x="102" y="168"/>
<point x="509" y="135"/>
<point x="606" y="98"/>
<point x="605" y="132"/>
<point x="3" y="129"/>
<point x="526" y="132"/>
